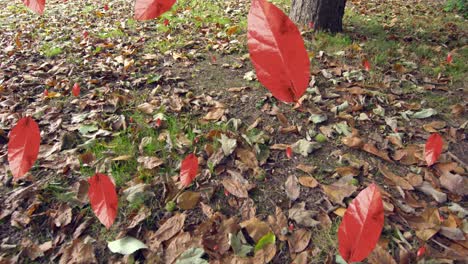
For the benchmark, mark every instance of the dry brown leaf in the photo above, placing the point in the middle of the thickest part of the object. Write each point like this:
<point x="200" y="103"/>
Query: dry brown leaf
<point x="302" y="258"/>
<point x="62" y="216"/>
<point x="280" y="147"/>
<point x="453" y="182"/>
<point x="414" y="179"/>
<point x="339" y="190"/>
<point x="306" y="168"/>
<point x="372" y="149"/>
<point x="256" y="228"/>
<point x="397" y="180"/>
<point x="78" y="252"/>
<point x="434" y="126"/>
<point x="188" y="200"/>
<point x="150" y="162"/>
<point x="248" y="158"/>
<point x="166" y="231"/>
<point x="146" y="108"/>
<point x="299" y="240"/>
<point x="235" y="187"/>
<point x="215" y="114"/>
<point x="207" y="210"/>
<point x="264" y="255"/>
<point x="143" y="213"/>
<point x="308" y="181"/>
<point x="302" y="216"/>
<point x="353" y="142"/>
<point x="427" y="224"/>
<point x="292" y="188"/>
<point x="409" y="155"/>
<point x="279" y="224"/>
<point x="177" y="246"/>
<point x="380" y="256"/>
<point x="348" y="171"/>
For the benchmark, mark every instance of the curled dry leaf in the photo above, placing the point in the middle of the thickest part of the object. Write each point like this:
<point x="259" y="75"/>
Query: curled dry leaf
<point x="292" y="188"/>
<point x="372" y="149"/>
<point x="302" y="216"/>
<point x="427" y="224"/>
<point x="380" y="256"/>
<point x="78" y="251"/>
<point x="299" y="240"/>
<point x="308" y="181"/>
<point x="451" y="180"/>
<point x="339" y="190"/>
<point x="150" y="162"/>
<point x="397" y="180"/>
<point x="279" y="223"/>
<point x="166" y="231"/>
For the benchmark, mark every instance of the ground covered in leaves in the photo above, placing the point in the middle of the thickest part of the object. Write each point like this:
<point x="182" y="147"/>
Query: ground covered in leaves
<point x="153" y="92"/>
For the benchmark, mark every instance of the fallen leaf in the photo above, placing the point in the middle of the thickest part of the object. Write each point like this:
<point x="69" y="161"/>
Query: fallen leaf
<point x="372" y="149"/>
<point x="192" y="256"/>
<point x="78" y="252"/>
<point x="299" y="240"/>
<point x="235" y="187"/>
<point x="380" y="256"/>
<point x="35" y="5"/>
<point x="305" y="147"/>
<point x="339" y="190"/>
<point x="308" y="181"/>
<point x="397" y="180"/>
<point x="150" y="162"/>
<point x="302" y="216"/>
<point x="126" y="245"/>
<point x="256" y="228"/>
<point x="228" y="145"/>
<point x="166" y="231"/>
<point x="188" y="200"/>
<point x="292" y="188"/>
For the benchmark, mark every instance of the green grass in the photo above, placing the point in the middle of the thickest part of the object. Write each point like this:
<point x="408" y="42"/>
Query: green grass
<point x="326" y="241"/>
<point x="50" y="50"/>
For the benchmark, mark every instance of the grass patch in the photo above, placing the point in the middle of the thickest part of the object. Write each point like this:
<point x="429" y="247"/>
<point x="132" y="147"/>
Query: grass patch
<point x="49" y="50"/>
<point x="327" y="241"/>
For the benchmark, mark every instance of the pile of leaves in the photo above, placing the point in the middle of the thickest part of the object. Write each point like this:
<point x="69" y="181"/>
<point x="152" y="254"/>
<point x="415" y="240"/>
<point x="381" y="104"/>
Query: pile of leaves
<point x="348" y="161"/>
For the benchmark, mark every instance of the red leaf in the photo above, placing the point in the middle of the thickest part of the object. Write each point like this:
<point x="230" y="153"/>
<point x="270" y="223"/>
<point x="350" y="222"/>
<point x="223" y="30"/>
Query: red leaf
<point x="76" y="89"/>
<point x="421" y="252"/>
<point x="23" y="146"/>
<point x="46" y="93"/>
<point x="85" y="34"/>
<point x="433" y="148"/>
<point x="35" y="5"/>
<point x="149" y="9"/>
<point x="188" y="170"/>
<point x="103" y="198"/>
<point x="277" y="51"/>
<point x="449" y="58"/>
<point x="361" y="226"/>
<point x="366" y="64"/>
<point x="288" y="152"/>
<point x="106" y="7"/>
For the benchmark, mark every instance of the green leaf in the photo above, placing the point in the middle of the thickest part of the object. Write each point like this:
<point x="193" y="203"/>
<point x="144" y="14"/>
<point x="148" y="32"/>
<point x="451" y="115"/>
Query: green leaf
<point x="425" y="113"/>
<point x="269" y="238"/>
<point x="192" y="256"/>
<point x="126" y="245"/>
<point x="85" y="129"/>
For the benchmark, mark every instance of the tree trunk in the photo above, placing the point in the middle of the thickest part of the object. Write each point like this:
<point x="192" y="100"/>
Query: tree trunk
<point x="324" y="15"/>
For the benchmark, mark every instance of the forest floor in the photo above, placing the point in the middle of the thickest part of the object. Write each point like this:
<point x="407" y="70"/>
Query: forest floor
<point x="153" y="92"/>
